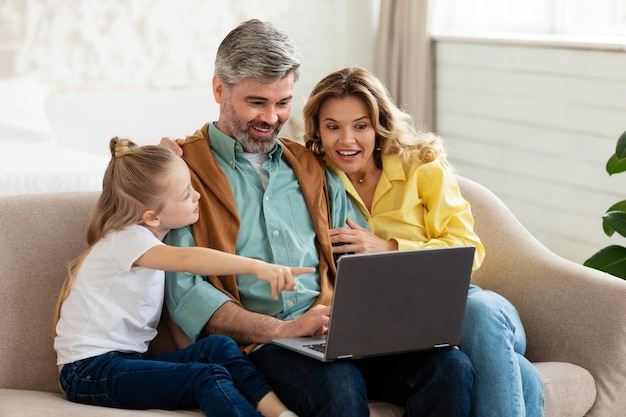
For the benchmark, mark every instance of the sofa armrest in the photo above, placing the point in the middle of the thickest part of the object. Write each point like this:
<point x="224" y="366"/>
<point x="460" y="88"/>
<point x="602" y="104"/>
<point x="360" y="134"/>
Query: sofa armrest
<point x="571" y="313"/>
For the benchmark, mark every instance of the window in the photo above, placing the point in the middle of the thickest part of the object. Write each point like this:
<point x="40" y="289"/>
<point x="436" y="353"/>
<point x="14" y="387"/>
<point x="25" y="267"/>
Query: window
<point x="596" y="18"/>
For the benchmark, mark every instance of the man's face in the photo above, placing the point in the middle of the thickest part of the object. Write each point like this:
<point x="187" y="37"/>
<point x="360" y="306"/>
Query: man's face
<point x="253" y="112"/>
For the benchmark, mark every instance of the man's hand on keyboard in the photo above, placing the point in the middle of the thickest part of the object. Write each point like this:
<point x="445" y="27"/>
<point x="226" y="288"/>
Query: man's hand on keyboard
<point x="312" y="323"/>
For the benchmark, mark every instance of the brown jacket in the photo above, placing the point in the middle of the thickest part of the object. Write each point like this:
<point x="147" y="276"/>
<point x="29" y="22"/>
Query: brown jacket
<point x="219" y="223"/>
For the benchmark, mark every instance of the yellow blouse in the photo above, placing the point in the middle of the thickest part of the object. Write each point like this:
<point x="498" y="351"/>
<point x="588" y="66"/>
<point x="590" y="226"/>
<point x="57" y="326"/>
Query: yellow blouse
<point x="418" y="206"/>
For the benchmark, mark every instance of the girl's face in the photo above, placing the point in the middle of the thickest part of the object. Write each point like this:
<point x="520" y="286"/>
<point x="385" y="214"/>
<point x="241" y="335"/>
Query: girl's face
<point x="347" y="134"/>
<point x="181" y="200"/>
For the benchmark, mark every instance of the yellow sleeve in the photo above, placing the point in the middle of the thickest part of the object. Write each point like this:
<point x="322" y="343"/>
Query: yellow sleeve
<point x="447" y="215"/>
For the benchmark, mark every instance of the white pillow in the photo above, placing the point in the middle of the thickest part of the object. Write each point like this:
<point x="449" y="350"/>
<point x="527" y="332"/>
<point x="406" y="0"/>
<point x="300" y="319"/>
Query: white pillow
<point x="23" y="116"/>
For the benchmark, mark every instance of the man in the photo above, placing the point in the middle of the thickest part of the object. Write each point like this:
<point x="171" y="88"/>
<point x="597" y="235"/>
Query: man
<point x="272" y="199"/>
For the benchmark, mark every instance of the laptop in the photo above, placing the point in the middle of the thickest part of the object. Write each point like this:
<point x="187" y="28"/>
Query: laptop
<point x="393" y="302"/>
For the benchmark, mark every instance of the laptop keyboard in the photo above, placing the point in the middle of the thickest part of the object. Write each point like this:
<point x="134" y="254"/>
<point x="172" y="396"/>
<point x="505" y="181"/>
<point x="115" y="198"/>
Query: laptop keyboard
<point x="320" y="347"/>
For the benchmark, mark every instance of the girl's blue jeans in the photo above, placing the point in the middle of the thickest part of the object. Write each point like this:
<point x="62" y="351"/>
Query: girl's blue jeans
<point x="506" y="383"/>
<point x="210" y="374"/>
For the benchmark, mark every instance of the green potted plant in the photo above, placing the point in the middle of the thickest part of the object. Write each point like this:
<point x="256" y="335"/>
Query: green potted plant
<point x="612" y="259"/>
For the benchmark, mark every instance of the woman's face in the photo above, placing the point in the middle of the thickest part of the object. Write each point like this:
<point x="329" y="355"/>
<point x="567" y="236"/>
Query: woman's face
<point x="347" y="134"/>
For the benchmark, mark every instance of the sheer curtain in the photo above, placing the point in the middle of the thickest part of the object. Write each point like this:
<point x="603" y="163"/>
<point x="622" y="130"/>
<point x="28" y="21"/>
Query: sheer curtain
<point x="404" y="57"/>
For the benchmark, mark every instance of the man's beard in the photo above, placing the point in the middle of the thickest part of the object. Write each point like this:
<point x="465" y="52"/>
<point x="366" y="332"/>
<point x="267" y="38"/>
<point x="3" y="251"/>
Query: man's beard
<point x="258" y="145"/>
<point x="243" y="135"/>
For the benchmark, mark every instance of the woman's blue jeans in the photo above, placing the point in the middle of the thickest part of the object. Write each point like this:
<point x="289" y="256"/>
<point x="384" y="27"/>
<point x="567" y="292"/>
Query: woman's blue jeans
<point x="432" y="383"/>
<point x="507" y="384"/>
<point x="210" y="374"/>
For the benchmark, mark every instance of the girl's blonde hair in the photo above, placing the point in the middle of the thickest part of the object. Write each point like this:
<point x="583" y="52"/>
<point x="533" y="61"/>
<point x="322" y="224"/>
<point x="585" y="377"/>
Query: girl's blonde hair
<point x="134" y="181"/>
<point x="395" y="130"/>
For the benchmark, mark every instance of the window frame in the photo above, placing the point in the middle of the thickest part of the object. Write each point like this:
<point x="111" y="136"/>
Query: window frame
<point x="555" y="24"/>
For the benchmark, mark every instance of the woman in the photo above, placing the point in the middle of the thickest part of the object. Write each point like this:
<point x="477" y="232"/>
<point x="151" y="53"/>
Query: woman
<point x="400" y="179"/>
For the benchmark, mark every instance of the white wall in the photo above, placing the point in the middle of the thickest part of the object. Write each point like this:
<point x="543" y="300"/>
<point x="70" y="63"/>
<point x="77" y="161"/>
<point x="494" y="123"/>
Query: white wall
<point x="120" y="46"/>
<point x="536" y="124"/>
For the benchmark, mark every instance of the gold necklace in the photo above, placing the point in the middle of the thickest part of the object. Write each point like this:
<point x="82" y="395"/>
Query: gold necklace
<point x="367" y="174"/>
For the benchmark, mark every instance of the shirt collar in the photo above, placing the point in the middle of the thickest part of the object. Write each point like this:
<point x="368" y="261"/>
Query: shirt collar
<point x="393" y="168"/>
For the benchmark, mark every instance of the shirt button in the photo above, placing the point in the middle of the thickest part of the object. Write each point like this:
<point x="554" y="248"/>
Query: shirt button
<point x="291" y="303"/>
<point x="276" y="233"/>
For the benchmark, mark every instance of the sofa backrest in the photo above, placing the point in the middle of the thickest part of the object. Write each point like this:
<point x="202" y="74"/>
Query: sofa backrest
<point x="39" y="235"/>
<point x="506" y="240"/>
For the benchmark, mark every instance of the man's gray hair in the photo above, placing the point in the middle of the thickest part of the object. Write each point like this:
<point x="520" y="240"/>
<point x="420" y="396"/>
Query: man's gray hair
<point x="256" y="49"/>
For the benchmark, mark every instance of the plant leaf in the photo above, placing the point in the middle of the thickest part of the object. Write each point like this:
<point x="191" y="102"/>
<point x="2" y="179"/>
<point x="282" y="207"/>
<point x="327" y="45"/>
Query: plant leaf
<point x="619" y="206"/>
<point x="620" y="148"/>
<point x="615" y="166"/>
<point x="614" y="220"/>
<point x="611" y="259"/>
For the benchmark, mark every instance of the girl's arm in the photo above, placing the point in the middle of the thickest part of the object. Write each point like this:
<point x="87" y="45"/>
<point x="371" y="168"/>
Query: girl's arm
<point x="204" y="261"/>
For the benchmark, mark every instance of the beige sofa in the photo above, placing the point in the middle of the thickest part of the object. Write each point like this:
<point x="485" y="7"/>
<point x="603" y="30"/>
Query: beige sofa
<point x="575" y="317"/>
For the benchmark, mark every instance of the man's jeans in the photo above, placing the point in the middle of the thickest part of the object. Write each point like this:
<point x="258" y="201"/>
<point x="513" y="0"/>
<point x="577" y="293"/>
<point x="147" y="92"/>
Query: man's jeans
<point x="432" y="383"/>
<point x="211" y="375"/>
<point x="507" y="384"/>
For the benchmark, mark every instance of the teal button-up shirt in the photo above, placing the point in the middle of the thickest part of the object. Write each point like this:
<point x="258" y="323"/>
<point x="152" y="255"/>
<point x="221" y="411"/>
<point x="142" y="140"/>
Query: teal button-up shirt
<point x="275" y="226"/>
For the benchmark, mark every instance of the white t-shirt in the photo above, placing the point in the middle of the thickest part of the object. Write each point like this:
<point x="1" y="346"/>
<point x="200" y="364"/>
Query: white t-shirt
<point x="257" y="159"/>
<point x="112" y="306"/>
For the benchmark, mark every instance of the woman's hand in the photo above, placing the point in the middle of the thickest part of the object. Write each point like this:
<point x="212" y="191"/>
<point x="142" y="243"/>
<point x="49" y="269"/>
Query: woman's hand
<point x="357" y="239"/>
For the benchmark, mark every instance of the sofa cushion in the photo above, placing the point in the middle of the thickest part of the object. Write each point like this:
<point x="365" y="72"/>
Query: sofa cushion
<point x="568" y="389"/>
<point x="380" y="409"/>
<point x="26" y="403"/>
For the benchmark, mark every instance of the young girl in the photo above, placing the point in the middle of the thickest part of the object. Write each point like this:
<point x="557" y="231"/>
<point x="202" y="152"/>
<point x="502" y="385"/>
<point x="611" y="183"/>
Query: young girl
<point x="110" y="303"/>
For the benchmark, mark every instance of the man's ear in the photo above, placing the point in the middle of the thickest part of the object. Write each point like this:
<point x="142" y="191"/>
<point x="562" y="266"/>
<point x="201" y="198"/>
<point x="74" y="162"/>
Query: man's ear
<point x="218" y="89"/>
<point x="151" y="219"/>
